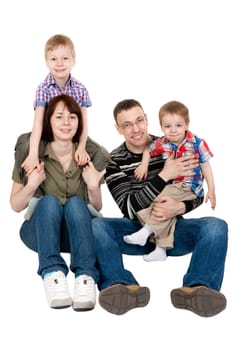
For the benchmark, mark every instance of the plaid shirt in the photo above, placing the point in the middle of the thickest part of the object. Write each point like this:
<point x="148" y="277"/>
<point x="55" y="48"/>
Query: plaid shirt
<point x="49" y="89"/>
<point x="191" y="145"/>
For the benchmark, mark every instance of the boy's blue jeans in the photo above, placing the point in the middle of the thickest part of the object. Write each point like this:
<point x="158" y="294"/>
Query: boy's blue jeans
<point x="206" y="238"/>
<point x="55" y="228"/>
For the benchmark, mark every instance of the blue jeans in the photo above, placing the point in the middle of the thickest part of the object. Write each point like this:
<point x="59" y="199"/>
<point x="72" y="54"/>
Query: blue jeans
<point x="206" y="238"/>
<point x="55" y="228"/>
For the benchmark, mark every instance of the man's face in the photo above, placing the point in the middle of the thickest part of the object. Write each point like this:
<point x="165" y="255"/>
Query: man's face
<point x="132" y="124"/>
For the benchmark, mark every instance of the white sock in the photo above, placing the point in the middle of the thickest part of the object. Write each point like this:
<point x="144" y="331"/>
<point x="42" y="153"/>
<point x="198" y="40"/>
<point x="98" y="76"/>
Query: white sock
<point x="158" y="254"/>
<point x="139" y="237"/>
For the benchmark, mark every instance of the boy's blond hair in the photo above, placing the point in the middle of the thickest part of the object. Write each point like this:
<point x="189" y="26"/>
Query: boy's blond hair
<point x="57" y="40"/>
<point x="174" y="107"/>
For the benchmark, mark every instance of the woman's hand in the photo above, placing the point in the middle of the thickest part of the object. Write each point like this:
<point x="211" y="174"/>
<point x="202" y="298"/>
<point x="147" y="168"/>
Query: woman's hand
<point x="20" y="194"/>
<point x="37" y="176"/>
<point x="92" y="178"/>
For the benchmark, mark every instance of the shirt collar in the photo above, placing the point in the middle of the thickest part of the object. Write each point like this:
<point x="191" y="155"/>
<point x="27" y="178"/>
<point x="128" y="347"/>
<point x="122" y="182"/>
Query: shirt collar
<point x="189" y="136"/>
<point x="48" y="151"/>
<point x="50" y="80"/>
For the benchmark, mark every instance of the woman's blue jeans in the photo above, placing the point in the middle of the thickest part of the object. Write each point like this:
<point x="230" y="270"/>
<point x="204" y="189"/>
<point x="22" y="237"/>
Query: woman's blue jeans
<point x="206" y="238"/>
<point x="55" y="228"/>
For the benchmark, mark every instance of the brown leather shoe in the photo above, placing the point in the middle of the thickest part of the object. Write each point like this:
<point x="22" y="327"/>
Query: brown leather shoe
<point x="120" y="298"/>
<point x="201" y="300"/>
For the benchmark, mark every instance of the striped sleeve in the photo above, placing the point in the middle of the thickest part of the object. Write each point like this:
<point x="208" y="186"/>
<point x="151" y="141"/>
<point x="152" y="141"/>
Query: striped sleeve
<point x="130" y="194"/>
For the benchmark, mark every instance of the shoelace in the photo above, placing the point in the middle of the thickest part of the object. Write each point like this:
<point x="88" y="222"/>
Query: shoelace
<point x="58" y="281"/>
<point x="83" y="286"/>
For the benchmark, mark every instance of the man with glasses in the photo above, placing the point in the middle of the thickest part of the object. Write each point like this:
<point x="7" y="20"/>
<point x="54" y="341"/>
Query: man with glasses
<point x="204" y="238"/>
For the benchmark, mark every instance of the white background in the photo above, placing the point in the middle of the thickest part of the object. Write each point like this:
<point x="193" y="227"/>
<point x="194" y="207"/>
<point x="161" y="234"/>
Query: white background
<point x="153" y="51"/>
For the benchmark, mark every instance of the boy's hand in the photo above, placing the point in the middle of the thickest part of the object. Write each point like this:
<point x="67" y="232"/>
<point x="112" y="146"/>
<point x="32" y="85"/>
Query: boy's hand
<point x="141" y="172"/>
<point x="212" y="198"/>
<point x="31" y="162"/>
<point x="81" y="156"/>
<point x="37" y="176"/>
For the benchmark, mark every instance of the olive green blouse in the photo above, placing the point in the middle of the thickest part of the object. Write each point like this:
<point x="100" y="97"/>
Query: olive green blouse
<point x="58" y="183"/>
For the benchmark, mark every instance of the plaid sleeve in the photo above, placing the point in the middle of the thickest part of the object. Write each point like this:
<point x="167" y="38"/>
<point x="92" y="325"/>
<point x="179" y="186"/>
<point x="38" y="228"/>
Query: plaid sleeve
<point x="41" y="97"/>
<point x="86" y="101"/>
<point x="204" y="152"/>
<point x="80" y="93"/>
<point x="155" y="148"/>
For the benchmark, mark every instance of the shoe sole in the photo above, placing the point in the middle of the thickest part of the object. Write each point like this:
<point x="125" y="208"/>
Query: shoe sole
<point x="83" y="306"/>
<point x="202" y="301"/>
<point x="61" y="304"/>
<point x="119" y="299"/>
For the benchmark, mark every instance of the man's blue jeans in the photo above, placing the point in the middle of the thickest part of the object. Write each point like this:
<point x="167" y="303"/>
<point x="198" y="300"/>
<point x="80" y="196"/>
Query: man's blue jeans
<point x="206" y="238"/>
<point x="55" y="228"/>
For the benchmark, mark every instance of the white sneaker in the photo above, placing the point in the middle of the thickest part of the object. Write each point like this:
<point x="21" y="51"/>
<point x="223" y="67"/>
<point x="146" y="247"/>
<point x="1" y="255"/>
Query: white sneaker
<point x="57" y="291"/>
<point x="84" y="293"/>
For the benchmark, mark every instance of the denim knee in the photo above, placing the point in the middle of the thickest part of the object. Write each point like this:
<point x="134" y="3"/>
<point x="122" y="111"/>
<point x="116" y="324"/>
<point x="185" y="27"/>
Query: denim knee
<point x="50" y="201"/>
<point x="75" y="201"/>
<point x="99" y="230"/>
<point x="76" y="207"/>
<point x="216" y="228"/>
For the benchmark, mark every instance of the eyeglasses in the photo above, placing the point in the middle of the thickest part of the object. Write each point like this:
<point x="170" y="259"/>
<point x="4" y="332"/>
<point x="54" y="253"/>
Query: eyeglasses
<point x="128" y="125"/>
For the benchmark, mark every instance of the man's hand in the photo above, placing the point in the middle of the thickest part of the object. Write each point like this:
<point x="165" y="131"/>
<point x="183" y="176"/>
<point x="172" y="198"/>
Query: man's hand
<point x="166" y="208"/>
<point x="178" y="167"/>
